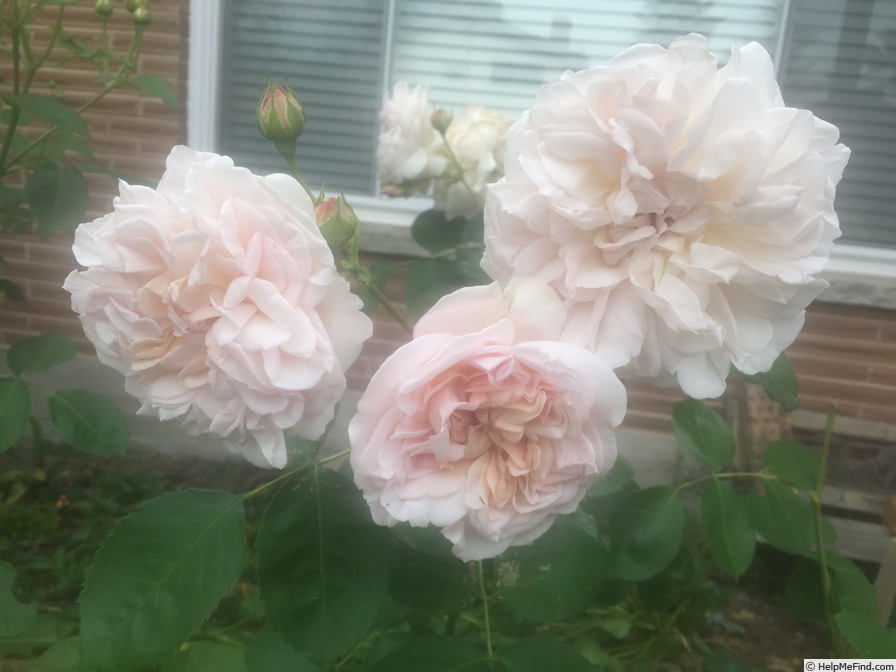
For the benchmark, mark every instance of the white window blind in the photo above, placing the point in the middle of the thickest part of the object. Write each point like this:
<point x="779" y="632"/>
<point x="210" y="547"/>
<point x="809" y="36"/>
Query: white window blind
<point x="343" y="56"/>
<point x="841" y="64"/>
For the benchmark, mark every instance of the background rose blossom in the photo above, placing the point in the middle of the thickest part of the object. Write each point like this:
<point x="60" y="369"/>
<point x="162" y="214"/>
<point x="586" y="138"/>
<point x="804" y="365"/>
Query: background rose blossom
<point x="409" y="149"/>
<point x="682" y="211"/>
<point x="476" y="429"/>
<point x="218" y="299"/>
<point x="476" y="138"/>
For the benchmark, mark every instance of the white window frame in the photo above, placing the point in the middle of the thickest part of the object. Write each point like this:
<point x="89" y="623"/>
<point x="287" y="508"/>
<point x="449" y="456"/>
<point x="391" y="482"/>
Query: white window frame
<point x="859" y="275"/>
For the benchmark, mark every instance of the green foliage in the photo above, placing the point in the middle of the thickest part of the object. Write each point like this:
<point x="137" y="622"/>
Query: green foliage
<point x="323" y="567"/>
<point x="429" y="583"/>
<point x="793" y="463"/>
<point x="431" y="231"/>
<point x="37" y="353"/>
<point x="538" y="583"/>
<point x="429" y="279"/>
<point x="779" y="382"/>
<point x="89" y="422"/>
<point x="158" y="576"/>
<point x="783" y="518"/>
<point x="645" y="532"/>
<point x="57" y="196"/>
<point x="726" y="524"/>
<point x="267" y="652"/>
<point x="702" y="433"/>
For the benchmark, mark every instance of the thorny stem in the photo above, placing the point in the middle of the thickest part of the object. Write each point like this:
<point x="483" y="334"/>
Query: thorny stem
<point x="485" y="615"/>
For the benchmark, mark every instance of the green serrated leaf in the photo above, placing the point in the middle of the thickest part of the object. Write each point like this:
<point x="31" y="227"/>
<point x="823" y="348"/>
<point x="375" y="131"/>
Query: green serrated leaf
<point x="783" y="518"/>
<point x="158" y="87"/>
<point x="793" y="463"/>
<point x="15" y="617"/>
<point x="542" y="584"/>
<point x="158" y="576"/>
<point x="703" y="434"/>
<point x="433" y="232"/>
<point x="323" y="566"/>
<point x="869" y="637"/>
<point x="36" y="353"/>
<point x="543" y="653"/>
<point x="617" y="479"/>
<point x="779" y="382"/>
<point x="57" y="196"/>
<point x="15" y="407"/>
<point x="89" y="422"/>
<point x="267" y="652"/>
<point x="429" y="583"/>
<point x="51" y="111"/>
<point x="730" y="535"/>
<point x="646" y="530"/>
<point x="427" y="281"/>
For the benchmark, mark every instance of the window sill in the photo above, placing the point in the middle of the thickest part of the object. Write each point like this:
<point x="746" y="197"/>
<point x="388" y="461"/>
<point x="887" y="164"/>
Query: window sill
<point x="859" y="275"/>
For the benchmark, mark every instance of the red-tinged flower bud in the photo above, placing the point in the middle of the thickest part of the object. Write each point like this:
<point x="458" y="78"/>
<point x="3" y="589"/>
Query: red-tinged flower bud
<point x="280" y="115"/>
<point x="337" y="221"/>
<point x="103" y="8"/>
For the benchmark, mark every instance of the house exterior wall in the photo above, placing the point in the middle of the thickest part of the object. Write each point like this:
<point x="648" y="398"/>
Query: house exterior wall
<point x="845" y="355"/>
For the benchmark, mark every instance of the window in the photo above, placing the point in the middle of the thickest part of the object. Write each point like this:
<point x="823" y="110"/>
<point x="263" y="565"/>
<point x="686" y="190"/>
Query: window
<point x="835" y="57"/>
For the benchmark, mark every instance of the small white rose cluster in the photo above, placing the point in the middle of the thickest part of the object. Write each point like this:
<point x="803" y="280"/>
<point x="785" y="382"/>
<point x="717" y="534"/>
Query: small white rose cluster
<point x="422" y="148"/>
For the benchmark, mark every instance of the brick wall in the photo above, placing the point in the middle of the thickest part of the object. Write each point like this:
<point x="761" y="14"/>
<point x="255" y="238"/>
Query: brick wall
<point x="845" y="355"/>
<point x="130" y="132"/>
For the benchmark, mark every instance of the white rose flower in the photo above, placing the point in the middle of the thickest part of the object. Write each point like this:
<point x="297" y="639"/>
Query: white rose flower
<point x="409" y="150"/>
<point x="476" y="138"/>
<point x="218" y="299"/>
<point x="682" y="211"/>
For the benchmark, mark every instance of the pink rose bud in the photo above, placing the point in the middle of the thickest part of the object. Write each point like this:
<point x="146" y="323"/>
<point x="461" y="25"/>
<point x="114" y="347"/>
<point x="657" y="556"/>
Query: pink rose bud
<point x="280" y="115"/>
<point x="337" y="221"/>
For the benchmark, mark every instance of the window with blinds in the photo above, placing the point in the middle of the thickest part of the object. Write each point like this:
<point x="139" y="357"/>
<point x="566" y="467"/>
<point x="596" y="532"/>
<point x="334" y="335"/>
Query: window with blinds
<point x="343" y="56"/>
<point x="840" y="62"/>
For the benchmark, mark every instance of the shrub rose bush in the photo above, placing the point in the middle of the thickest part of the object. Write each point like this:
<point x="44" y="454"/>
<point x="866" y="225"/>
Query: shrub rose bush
<point x="483" y="425"/>
<point x="218" y="299"/>
<point x="682" y="211"/>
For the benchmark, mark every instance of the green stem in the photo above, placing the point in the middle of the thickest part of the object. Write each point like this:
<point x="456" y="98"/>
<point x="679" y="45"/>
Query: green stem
<point x="294" y="472"/>
<point x="486" y="624"/>
<point x="818" y="516"/>
<point x="390" y="307"/>
<point x="730" y="474"/>
<point x="296" y="173"/>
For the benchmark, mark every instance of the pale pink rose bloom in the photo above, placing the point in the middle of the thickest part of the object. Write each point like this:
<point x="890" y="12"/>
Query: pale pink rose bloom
<point x="480" y="427"/>
<point x="682" y="211"/>
<point x="476" y="138"/>
<point x="409" y="150"/>
<point x="218" y="299"/>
